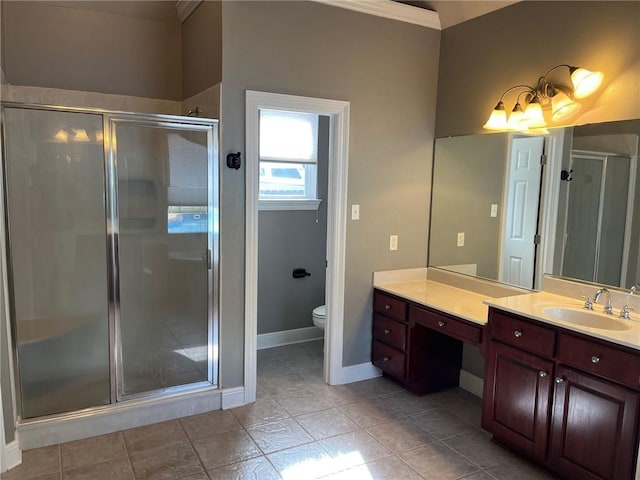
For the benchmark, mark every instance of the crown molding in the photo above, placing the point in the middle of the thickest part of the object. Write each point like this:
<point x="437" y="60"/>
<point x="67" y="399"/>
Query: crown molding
<point x="390" y="9"/>
<point x="184" y="8"/>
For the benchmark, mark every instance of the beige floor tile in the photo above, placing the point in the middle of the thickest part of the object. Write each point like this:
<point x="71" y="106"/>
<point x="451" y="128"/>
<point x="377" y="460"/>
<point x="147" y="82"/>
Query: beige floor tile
<point x="255" y="469"/>
<point x="282" y="385"/>
<point x="261" y="411"/>
<point x="210" y="423"/>
<point x="401" y="435"/>
<point x="39" y="461"/>
<point x="153" y="436"/>
<point x="308" y="461"/>
<point x="46" y="476"/>
<point x="197" y="476"/>
<point x="374" y="387"/>
<point x="326" y="423"/>
<point x="303" y="402"/>
<point x="354" y="448"/>
<point x="390" y="468"/>
<point x="438" y="462"/>
<point x="406" y="403"/>
<point x="479" y="449"/>
<point x="118" y="469"/>
<point x="480" y="476"/>
<point x="441" y="423"/>
<point x="167" y="463"/>
<point x="517" y="470"/>
<point x="370" y="412"/>
<point x="226" y="448"/>
<point x="92" y="450"/>
<point x="336" y="394"/>
<point x="280" y="435"/>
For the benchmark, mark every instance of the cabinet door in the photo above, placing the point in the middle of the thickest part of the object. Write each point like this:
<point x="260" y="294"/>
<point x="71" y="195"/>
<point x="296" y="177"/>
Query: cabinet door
<point x="517" y="395"/>
<point x="594" y="427"/>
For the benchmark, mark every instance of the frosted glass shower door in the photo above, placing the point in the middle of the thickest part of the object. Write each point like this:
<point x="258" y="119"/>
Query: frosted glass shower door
<point x="55" y="190"/>
<point x="165" y="224"/>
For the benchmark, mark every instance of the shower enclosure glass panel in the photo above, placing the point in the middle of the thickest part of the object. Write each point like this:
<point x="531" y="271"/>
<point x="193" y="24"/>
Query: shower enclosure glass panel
<point x="55" y="192"/>
<point x="164" y="243"/>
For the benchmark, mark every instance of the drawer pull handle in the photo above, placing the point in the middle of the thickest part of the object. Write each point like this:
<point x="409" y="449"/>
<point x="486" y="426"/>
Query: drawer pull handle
<point x="517" y="334"/>
<point x="387" y="307"/>
<point x="440" y="323"/>
<point x="542" y="374"/>
<point x="387" y="331"/>
<point x="559" y="380"/>
<point x="386" y="359"/>
<point x="595" y="359"/>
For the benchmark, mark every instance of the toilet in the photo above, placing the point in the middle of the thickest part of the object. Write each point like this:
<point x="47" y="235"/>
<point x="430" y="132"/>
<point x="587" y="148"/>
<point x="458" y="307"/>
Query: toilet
<point x="319" y="316"/>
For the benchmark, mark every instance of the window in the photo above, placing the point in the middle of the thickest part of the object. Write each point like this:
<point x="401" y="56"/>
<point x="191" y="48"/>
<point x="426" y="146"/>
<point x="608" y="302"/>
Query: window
<point x="288" y="154"/>
<point x="187" y="219"/>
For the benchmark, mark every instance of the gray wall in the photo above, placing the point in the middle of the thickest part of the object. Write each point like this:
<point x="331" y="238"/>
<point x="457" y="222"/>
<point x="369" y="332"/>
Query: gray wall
<point x="288" y="240"/>
<point x="388" y="71"/>
<point x="481" y="58"/>
<point x="468" y="175"/>
<point x="202" y="49"/>
<point x="60" y="46"/>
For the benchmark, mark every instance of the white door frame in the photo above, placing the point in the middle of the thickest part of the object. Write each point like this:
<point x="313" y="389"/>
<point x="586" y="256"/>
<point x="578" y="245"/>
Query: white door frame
<point x="338" y="111"/>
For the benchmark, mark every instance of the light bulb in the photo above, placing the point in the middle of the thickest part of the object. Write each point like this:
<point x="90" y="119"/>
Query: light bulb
<point x="585" y="82"/>
<point x="562" y="106"/>
<point x="497" y="119"/>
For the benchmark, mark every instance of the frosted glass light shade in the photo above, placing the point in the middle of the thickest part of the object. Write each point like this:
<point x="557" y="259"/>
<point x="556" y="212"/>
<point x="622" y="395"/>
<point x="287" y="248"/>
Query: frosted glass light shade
<point x="515" y="119"/>
<point x="562" y="106"/>
<point x="585" y="82"/>
<point x="533" y="117"/>
<point x="81" y="135"/>
<point x="497" y="119"/>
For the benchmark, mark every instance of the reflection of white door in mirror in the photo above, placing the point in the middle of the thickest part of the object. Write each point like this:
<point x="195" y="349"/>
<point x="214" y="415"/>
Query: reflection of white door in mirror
<point x="517" y="258"/>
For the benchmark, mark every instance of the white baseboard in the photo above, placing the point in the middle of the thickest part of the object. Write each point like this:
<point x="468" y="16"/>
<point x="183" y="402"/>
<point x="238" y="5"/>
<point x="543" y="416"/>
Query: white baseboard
<point x="287" y="337"/>
<point x="471" y="383"/>
<point x="232" y="397"/>
<point x="12" y="455"/>
<point x="357" y="373"/>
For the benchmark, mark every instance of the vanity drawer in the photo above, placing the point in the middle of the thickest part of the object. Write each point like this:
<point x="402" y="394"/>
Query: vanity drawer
<point x="389" y="306"/>
<point x="600" y="359"/>
<point x="388" y="359"/>
<point x="447" y="325"/>
<point x="522" y="334"/>
<point x="389" y="331"/>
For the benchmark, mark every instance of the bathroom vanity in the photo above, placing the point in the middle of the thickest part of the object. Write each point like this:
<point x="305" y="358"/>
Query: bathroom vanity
<point x="562" y="394"/>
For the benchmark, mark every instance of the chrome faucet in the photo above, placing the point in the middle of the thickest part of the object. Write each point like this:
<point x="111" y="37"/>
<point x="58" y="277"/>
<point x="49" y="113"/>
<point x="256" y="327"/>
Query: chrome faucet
<point x="608" y="309"/>
<point x="635" y="289"/>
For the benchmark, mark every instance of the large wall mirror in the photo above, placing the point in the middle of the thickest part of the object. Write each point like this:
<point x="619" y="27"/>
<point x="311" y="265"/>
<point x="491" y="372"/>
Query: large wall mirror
<point x="500" y="212"/>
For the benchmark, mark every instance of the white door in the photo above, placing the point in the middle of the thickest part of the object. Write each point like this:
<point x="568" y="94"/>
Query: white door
<point x="517" y="262"/>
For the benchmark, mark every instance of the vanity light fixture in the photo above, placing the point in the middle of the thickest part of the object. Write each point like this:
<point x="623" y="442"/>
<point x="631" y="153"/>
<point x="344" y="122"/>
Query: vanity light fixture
<point x="558" y="97"/>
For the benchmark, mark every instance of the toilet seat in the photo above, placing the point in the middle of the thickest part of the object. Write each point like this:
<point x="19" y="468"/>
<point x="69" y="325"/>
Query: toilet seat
<point x="319" y="316"/>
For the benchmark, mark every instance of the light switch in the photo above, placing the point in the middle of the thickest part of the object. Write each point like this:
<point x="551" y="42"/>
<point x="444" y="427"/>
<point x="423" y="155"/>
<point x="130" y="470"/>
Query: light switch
<point x="355" y="212"/>
<point x="461" y="239"/>
<point x="494" y="210"/>
<point x="393" y="242"/>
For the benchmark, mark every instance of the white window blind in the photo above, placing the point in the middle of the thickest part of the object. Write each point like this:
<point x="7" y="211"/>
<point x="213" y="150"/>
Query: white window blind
<point x="288" y="136"/>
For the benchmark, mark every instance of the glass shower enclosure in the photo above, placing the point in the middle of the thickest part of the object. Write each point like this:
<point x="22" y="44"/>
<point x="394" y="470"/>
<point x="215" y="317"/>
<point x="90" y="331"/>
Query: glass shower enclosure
<point x="112" y="249"/>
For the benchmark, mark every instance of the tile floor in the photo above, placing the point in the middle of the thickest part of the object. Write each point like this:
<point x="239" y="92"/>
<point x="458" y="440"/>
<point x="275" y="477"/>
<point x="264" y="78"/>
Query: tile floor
<point x="299" y="428"/>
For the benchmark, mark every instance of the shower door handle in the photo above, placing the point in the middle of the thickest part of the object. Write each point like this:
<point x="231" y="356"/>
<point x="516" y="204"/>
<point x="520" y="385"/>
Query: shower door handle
<point x="208" y="259"/>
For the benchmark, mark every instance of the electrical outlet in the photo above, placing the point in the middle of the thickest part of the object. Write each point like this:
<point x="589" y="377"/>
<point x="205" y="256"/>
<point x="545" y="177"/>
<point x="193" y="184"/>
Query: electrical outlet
<point x="461" y="239"/>
<point x="355" y="212"/>
<point x="494" y="210"/>
<point x="393" y="242"/>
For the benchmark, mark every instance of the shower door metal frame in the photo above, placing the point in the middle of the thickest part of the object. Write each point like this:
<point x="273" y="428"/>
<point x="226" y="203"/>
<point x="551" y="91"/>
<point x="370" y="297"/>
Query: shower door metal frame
<point x="211" y="126"/>
<point x="113" y="232"/>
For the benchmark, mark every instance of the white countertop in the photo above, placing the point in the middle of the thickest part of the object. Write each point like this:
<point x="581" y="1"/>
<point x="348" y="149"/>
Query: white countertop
<point x="532" y="305"/>
<point x="455" y="301"/>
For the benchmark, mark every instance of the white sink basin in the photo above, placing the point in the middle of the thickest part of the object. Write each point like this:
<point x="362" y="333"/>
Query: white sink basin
<point x="587" y="318"/>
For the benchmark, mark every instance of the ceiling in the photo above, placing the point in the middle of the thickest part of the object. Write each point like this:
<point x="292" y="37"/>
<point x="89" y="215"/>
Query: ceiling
<point x="451" y="12"/>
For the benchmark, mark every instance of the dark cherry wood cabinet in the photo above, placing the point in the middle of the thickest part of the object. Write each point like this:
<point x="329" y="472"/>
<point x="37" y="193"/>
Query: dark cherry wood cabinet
<point x="419" y="347"/>
<point x="567" y="401"/>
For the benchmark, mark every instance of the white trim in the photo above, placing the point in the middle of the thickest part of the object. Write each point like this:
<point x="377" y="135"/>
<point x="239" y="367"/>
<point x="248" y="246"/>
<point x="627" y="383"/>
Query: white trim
<point x="112" y="418"/>
<point x="357" y="373"/>
<point x="390" y="9"/>
<point x="338" y="111"/>
<point x="287" y="337"/>
<point x="471" y="383"/>
<point x="273" y="205"/>
<point x="184" y="8"/>
<point x="232" y="397"/>
<point x="12" y="456"/>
